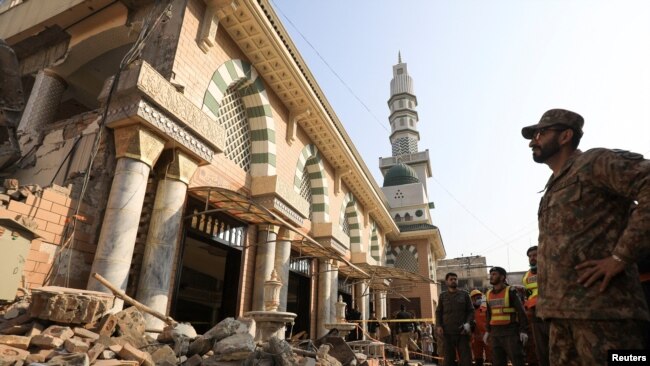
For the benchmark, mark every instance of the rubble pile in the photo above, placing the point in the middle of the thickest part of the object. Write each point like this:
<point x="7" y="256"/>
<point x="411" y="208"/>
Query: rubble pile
<point x="62" y="326"/>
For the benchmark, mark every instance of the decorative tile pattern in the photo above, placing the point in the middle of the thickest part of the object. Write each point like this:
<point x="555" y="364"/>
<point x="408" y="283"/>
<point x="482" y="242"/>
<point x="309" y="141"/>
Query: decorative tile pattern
<point x="404" y="257"/>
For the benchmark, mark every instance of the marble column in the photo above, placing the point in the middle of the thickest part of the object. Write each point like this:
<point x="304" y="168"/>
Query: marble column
<point x="380" y="304"/>
<point x="154" y="287"/>
<point x="324" y="295"/>
<point x="282" y="255"/>
<point x="40" y="110"/>
<point x="362" y="294"/>
<point x="334" y="274"/>
<point x="264" y="262"/>
<point x="137" y="150"/>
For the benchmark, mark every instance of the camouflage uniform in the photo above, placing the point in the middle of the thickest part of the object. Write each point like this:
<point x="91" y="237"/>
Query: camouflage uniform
<point x="588" y="212"/>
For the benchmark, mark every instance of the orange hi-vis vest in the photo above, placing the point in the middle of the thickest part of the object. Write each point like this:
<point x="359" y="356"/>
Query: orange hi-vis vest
<point x="530" y="282"/>
<point x="501" y="313"/>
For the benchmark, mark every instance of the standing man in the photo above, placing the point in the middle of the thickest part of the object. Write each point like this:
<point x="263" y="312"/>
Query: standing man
<point x="506" y="321"/>
<point x="453" y="317"/>
<point x="594" y="221"/>
<point x="373" y="325"/>
<point x="405" y="331"/>
<point x="539" y="326"/>
<point x="479" y="348"/>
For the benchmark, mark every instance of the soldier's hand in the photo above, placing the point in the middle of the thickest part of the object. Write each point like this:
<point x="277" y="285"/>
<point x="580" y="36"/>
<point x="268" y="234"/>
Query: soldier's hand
<point x="595" y="269"/>
<point x="485" y="337"/>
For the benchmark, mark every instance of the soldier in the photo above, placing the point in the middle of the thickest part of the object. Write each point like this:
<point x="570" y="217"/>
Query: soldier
<point x="594" y="221"/>
<point x="453" y="317"/>
<point x="405" y="331"/>
<point x="539" y="326"/>
<point x="506" y="321"/>
<point x="480" y="320"/>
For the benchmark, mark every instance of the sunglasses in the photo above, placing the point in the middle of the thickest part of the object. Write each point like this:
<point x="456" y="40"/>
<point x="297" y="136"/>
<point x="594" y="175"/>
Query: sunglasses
<point x="537" y="134"/>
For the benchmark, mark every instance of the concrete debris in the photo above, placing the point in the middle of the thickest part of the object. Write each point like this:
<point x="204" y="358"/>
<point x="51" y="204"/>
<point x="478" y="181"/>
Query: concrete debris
<point x="62" y="326"/>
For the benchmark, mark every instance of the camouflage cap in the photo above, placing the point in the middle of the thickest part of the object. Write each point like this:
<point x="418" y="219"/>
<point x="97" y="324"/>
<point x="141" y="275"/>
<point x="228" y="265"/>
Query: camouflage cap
<point x="555" y="117"/>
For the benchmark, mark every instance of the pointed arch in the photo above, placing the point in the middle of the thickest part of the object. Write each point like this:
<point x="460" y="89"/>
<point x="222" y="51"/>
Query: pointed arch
<point x="310" y="158"/>
<point x="350" y="219"/>
<point x="242" y="76"/>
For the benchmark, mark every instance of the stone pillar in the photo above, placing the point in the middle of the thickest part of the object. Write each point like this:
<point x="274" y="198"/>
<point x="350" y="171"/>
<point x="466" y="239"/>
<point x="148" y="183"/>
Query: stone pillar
<point x="175" y="170"/>
<point x="380" y="304"/>
<point x="324" y="295"/>
<point x="334" y="275"/>
<point x="136" y="149"/>
<point x="40" y="110"/>
<point x="264" y="262"/>
<point x="362" y="294"/>
<point x="282" y="255"/>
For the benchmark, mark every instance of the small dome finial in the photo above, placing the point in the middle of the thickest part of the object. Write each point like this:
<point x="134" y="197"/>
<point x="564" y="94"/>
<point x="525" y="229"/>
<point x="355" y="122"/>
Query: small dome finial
<point x="399" y="57"/>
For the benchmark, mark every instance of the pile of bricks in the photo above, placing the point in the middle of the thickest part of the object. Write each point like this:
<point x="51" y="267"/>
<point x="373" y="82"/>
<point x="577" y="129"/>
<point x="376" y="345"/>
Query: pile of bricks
<point x="62" y="326"/>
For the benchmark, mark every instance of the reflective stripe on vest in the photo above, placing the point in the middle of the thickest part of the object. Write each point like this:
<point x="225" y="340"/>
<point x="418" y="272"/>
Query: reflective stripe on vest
<point x="501" y="313"/>
<point x="530" y="282"/>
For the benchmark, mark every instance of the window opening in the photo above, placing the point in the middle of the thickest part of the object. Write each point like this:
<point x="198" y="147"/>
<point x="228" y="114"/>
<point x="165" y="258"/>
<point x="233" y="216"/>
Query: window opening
<point x="232" y="116"/>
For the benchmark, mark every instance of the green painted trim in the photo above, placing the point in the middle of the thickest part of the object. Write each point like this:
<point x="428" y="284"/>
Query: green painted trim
<point x="259" y="111"/>
<point x="318" y="207"/>
<point x="230" y="66"/>
<point x="317" y="191"/>
<point x="212" y="104"/>
<point x="220" y="82"/>
<point x="263" y="135"/>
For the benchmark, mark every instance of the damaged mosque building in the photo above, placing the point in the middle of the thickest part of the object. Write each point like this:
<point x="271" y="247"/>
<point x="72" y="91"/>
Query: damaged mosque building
<point x="183" y="150"/>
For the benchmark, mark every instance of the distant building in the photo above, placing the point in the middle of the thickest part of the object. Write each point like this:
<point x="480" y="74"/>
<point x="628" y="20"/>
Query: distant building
<point x="516" y="278"/>
<point x="472" y="272"/>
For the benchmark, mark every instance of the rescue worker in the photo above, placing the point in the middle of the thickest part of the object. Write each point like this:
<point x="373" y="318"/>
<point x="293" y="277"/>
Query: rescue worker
<point x="480" y="350"/>
<point x="594" y="222"/>
<point x="453" y="317"/>
<point x="506" y="321"/>
<point x="539" y="326"/>
<point x="405" y="331"/>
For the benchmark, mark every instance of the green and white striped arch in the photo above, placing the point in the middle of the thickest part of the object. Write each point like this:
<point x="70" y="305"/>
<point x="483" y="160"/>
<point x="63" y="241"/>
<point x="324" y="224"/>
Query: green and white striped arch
<point x="350" y="213"/>
<point x="251" y="89"/>
<point x="375" y="253"/>
<point x="320" y="202"/>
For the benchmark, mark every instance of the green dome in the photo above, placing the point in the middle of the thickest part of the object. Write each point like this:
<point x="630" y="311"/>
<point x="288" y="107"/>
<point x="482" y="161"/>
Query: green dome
<point x="400" y="174"/>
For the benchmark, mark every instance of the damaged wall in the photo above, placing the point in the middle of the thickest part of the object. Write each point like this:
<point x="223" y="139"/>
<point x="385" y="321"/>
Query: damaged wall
<point x="59" y="163"/>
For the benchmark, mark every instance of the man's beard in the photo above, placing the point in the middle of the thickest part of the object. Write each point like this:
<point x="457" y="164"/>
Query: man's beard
<point x="547" y="151"/>
<point x="453" y="285"/>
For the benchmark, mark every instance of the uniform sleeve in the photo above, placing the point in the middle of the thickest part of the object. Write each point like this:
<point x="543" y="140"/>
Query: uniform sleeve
<point x="439" y="311"/>
<point x="521" y="312"/>
<point x="628" y="175"/>
<point x="469" y="309"/>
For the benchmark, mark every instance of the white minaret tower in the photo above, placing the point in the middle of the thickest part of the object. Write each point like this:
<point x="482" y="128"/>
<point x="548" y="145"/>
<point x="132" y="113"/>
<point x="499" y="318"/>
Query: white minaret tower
<point x="404" y="121"/>
<point x="403" y="117"/>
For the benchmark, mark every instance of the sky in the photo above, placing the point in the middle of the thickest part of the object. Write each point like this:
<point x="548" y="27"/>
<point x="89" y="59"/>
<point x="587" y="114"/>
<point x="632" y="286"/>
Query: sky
<point x="482" y="70"/>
